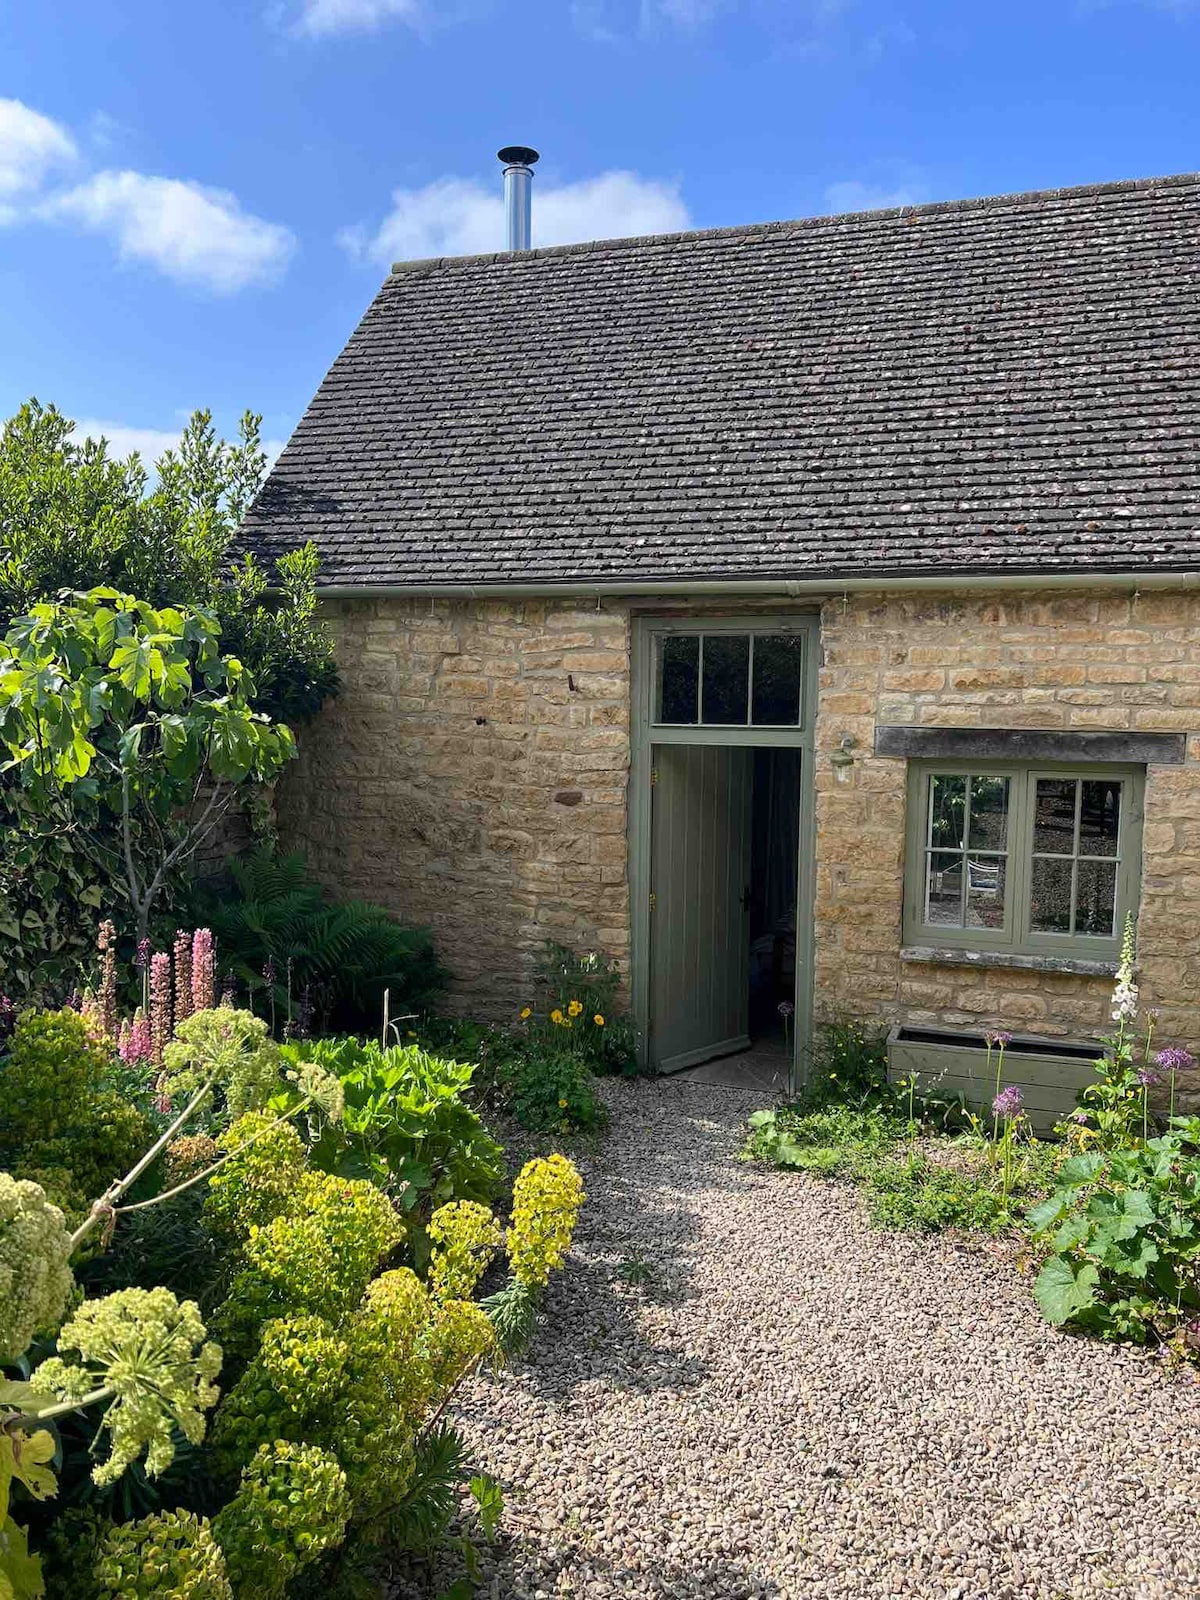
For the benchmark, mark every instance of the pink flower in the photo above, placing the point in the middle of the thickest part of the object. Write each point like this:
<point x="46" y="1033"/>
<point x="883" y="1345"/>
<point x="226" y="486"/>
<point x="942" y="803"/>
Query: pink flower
<point x="203" y="971"/>
<point x="106" y="1011"/>
<point x="136" y="1044"/>
<point x="183" y="977"/>
<point x="160" y="1004"/>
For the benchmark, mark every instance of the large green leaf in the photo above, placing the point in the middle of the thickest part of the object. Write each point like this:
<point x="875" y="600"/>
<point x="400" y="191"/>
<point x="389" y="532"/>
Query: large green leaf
<point x="1064" y="1290"/>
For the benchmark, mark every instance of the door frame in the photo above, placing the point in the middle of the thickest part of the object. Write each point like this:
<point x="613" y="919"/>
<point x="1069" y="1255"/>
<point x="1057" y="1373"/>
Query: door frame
<point x="645" y="734"/>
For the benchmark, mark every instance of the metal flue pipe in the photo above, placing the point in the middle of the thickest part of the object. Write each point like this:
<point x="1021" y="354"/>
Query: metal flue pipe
<point x="518" y="185"/>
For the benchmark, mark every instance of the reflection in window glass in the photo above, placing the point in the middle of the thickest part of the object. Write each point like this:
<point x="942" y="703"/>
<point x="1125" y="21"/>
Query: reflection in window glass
<point x="1100" y="817"/>
<point x="726" y="678"/>
<point x="947" y="812"/>
<point x="988" y="828"/>
<point x="1076" y="827"/>
<point x="943" y="895"/>
<point x="985" y="892"/>
<point x="679" y="678"/>
<point x="1096" y="898"/>
<point x="1050" y="895"/>
<point x="1054" y="817"/>
<point x="776" y="698"/>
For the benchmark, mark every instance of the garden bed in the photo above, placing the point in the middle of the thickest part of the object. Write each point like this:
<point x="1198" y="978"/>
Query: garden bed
<point x="744" y="1389"/>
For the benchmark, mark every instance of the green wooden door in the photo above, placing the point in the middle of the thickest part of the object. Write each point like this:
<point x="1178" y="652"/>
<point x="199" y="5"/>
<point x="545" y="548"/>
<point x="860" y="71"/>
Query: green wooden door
<point x="700" y="837"/>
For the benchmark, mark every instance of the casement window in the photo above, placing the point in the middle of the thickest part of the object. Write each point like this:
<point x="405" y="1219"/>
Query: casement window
<point x="1030" y="859"/>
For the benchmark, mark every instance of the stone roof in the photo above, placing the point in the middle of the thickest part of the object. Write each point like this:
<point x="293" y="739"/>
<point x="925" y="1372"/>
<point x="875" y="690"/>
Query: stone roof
<point x="992" y="386"/>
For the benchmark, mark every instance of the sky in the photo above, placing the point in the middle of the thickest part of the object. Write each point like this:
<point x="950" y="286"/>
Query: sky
<point x="197" y="202"/>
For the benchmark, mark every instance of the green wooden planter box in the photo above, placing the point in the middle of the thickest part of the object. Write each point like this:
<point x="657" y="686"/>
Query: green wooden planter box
<point x="950" y="1065"/>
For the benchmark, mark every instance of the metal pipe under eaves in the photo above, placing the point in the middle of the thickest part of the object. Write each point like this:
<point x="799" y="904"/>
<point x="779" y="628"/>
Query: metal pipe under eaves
<point x="518" y="186"/>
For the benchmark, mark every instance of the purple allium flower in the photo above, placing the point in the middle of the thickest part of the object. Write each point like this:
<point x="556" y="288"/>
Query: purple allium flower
<point x="1148" y="1078"/>
<point x="1007" y="1103"/>
<point x="1001" y="1039"/>
<point x="1174" y="1059"/>
<point x="785" y="1008"/>
<point x="142" y="959"/>
<point x="1080" y="1117"/>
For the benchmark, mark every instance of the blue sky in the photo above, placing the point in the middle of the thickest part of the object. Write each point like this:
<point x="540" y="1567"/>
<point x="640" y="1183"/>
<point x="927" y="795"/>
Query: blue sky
<point x="198" y="201"/>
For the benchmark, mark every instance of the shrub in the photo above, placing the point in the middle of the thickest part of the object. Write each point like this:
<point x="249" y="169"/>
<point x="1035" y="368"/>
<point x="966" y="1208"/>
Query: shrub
<point x="56" y="1118"/>
<point x="292" y="1506"/>
<point x="1123" y="1229"/>
<point x="603" y="1034"/>
<point x="405" y="1124"/>
<point x="169" y="1556"/>
<point x="849" y="1063"/>
<point x="294" y="948"/>
<point x="35" y="1278"/>
<point x="552" y="1091"/>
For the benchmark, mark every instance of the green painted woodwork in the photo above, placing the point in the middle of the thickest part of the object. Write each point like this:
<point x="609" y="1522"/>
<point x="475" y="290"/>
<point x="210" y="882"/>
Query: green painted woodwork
<point x="948" y="1066"/>
<point x="699" y="918"/>
<point x="662" y="946"/>
<point x="1012" y="930"/>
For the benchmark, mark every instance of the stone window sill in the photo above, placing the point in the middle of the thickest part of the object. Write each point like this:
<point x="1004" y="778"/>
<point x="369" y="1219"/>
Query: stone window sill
<point x="1008" y="958"/>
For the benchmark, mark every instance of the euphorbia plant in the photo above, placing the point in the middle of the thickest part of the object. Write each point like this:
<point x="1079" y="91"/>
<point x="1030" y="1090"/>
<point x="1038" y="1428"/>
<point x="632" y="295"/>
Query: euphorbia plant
<point x="105" y="699"/>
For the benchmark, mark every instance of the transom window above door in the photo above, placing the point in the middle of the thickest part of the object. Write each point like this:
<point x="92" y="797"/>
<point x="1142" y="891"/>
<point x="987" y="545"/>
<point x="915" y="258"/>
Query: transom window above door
<point x="1030" y="859"/>
<point x="728" y="680"/>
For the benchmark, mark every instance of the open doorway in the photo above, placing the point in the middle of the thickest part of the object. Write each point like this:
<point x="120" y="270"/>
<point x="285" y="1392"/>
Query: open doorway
<point x="725" y="837"/>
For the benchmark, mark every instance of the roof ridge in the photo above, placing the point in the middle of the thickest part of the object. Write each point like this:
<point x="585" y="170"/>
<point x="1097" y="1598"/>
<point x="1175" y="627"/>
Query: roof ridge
<point x="788" y="225"/>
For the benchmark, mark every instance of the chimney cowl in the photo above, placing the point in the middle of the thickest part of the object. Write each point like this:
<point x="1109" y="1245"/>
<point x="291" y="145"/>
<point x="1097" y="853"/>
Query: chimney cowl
<point x="518" y="180"/>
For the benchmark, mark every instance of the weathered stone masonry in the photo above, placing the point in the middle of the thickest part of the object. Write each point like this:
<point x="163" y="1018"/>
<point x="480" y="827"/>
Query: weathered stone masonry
<point x="1072" y="660"/>
<point x="472" y="776"/>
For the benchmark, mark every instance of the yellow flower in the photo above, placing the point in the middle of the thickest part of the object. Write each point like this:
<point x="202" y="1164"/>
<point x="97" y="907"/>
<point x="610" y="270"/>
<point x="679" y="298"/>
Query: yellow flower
<point x="574" y="1008"/>
<point x="556" y="1017"/>
<point x="526" y="1013"/>
<point x="568" y="1023"/>
<point x="563" y="1104"/>
<point x="598" y="1020"/>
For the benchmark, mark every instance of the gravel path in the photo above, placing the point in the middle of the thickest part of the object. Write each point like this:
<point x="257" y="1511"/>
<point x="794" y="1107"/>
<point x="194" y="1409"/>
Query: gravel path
<point x="799" y="1406"/>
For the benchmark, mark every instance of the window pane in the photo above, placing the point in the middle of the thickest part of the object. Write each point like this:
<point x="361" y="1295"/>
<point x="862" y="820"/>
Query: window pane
<point x="1100" y="817"/>
<point x="726" y="677"/>
<point x="947" y="807"/>
<point x="989" y="813"/>
<point x="1050" y="896"/>
<point x="679" y="668"/>
<point x="1095" y="898"/>
<point x="985" y="891"/>
<point x="776" y="679"/>
<point x="943" y="889"/>
<point x="1054" y="816"/>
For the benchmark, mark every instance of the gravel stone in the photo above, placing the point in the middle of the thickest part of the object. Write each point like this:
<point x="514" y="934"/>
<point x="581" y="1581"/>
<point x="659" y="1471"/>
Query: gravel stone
<point x="800" y="1406"/>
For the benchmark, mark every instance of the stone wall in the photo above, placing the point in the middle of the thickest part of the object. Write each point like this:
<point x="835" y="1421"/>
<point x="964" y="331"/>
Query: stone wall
<point x="471" y="777"/>
<point x="1071" y="660"/>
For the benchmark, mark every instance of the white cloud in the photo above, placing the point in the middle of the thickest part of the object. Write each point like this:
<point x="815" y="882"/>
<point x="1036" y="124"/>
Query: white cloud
<point x="457" y="216"/>
<point x="855" y="196"/>
<point x="31" y="148"/>
<point x="148" y="442"/>
<point x="321" y="18"/>
<point x="190" y="233"/>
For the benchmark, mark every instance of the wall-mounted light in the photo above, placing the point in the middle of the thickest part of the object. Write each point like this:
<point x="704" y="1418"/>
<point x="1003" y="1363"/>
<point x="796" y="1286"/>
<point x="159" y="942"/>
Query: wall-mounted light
<point x="842" y="759"/>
